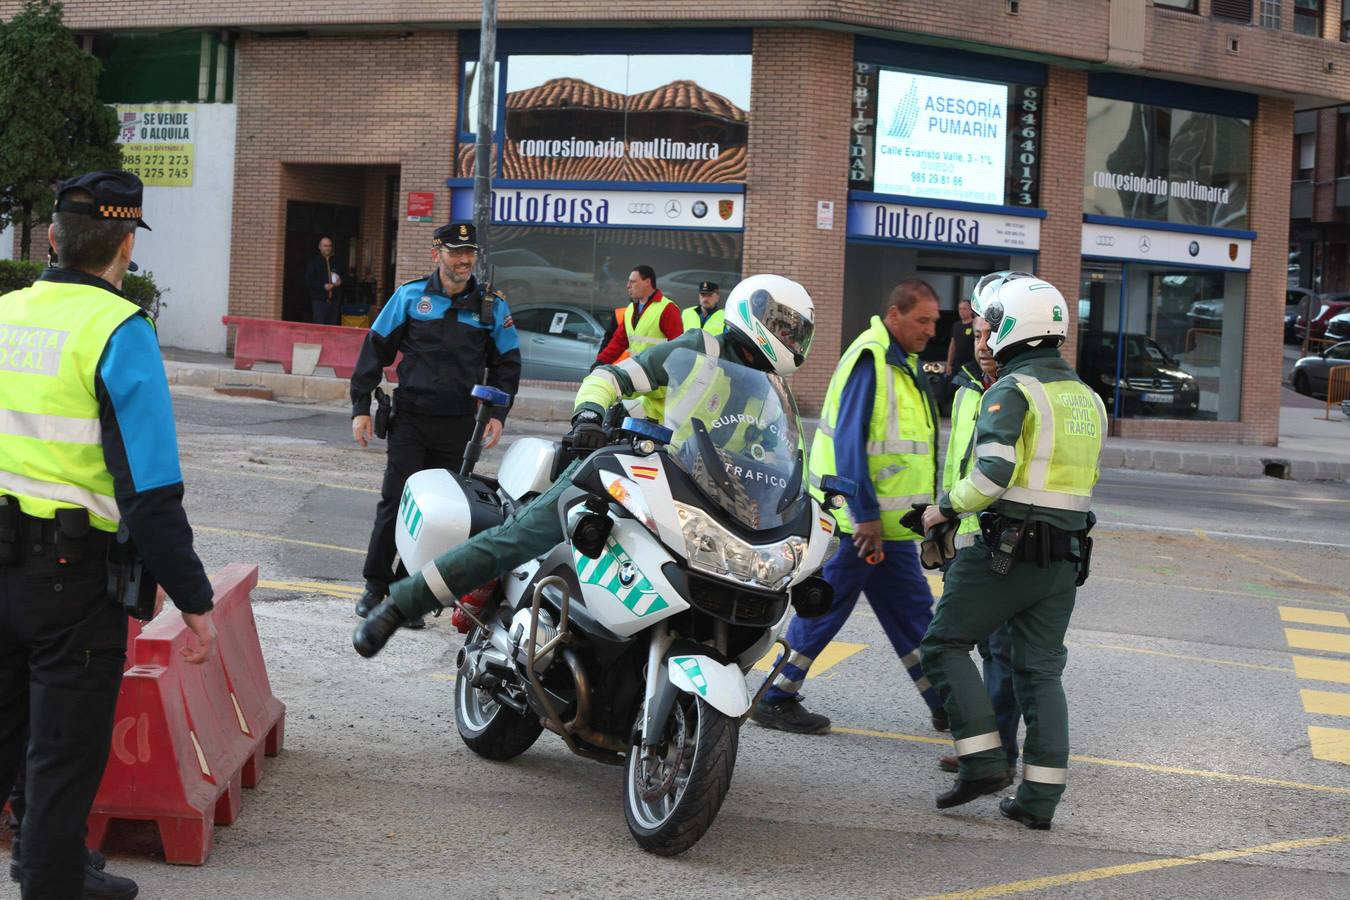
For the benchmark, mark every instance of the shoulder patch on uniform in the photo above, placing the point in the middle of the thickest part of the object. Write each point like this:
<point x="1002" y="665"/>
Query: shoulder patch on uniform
<point x="509" y="323"/>
<point x="994" y="407"/>
<point x="413" y="281"/>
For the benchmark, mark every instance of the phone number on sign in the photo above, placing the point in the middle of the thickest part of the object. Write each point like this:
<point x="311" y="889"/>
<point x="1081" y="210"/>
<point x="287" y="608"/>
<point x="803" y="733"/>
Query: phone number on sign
<point x="158" y="166"/>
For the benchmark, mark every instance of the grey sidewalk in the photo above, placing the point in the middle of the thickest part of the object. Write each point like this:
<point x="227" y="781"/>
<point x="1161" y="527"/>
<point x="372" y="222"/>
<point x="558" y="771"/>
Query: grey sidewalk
<point x="1310" y="449"/>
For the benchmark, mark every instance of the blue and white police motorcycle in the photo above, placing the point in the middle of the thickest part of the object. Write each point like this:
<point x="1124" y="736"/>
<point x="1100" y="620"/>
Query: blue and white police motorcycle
<point x="688" y="542"/>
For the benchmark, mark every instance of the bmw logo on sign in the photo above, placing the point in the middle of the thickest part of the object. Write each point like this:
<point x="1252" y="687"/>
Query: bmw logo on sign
<point x="699" y="209"/>
<point x="1194" y="248"/>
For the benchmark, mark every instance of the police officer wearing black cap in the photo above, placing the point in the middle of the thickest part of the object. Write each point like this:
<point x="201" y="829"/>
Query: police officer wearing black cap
<point x="707" y="313"/>
<point x="88" y="454"/>
<point x="452" y="337"/>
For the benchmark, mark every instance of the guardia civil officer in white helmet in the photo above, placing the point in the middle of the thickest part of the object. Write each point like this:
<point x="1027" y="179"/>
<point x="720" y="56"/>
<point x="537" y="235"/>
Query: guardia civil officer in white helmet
<point x="1038" y="440"/>
<point x="770" y="322"/>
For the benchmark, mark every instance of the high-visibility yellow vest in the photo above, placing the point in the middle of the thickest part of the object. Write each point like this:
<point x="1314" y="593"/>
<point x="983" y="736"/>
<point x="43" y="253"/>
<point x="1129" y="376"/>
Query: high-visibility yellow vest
<point x="965" y="412"/>
<point x="645" y="331"/>
<point x="52" y="336"/>
<point x="1059" y="449"/>
<point x="901" y="438"/>
<point x="716" y="324"/>
<point x="705" y="394"/>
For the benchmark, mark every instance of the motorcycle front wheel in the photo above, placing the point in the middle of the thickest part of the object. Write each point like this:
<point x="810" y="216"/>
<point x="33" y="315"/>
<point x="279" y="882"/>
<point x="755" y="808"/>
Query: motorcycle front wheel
<point x="489" y="729"/>
<point x="672" y="792"/>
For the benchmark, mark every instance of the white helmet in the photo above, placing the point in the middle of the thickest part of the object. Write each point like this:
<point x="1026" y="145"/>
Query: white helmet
<point x="986" y="286"/>
<point x="775" y="317"/>
<point x="1023" y="312"/>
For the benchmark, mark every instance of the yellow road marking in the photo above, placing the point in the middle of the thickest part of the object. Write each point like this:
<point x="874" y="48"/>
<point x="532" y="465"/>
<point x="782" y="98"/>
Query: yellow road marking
<point x="1265" y="565"/>
<point x="1151" y="865"/>
<point x="1326" y="703"/>
<point x="1124" y="764"/>
<point x="312" y="587"/>
<point x="234" y="532"/>
<point x="443" y="676"/>
<point x="1330" y="618"/>
<point x="1204" y="659"/>
<point x="834" y="653"/>
<point x="1317" y="640"/>
<point x="1330" y="744"/>
<point x="309" y="481"/>
<point x="1314" y="669"/>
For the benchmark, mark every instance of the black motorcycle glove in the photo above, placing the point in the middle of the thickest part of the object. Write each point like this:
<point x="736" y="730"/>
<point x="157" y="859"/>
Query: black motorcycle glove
<point x="587" y="433"/>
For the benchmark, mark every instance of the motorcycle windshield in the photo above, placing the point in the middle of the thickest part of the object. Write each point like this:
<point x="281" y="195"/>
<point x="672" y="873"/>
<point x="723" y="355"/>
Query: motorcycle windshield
<point x="738" y="436"/>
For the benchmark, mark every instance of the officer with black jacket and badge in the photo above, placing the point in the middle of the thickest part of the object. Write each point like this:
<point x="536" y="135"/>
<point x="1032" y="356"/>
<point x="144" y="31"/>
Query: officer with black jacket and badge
<point x="88" y="465"/>
<point x="453" y="333"/>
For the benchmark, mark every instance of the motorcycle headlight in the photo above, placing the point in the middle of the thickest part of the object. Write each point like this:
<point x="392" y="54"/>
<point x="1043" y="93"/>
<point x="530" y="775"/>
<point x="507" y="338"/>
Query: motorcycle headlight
<point x="711" y="548"/>
<point x="629" y="496"/>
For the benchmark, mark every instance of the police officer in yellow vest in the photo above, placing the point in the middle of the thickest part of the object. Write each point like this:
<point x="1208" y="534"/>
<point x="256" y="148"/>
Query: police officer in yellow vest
<point x="87" y="444"/>
<point x="707" y="313"/>
<point x="971" y="381"/>
<point x="1038" y="441"/>
<point x="878" y="427"/>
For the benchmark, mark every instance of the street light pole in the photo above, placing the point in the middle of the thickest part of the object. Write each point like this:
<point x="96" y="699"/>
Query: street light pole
<point x="482" y="176"/>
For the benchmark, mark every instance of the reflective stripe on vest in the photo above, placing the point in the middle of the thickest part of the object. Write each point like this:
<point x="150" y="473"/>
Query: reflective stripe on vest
<point x="1060" y="446"/>
<point x="645" y="330"/>
<point x="965" y="413"/>
<point x="52" y="338"/>
<point x="901" y="436"/>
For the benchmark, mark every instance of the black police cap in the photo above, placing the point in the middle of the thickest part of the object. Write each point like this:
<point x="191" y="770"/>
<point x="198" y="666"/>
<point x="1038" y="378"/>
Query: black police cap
<point x="707" y="287"/>
<point x="455" y="236"/>
<point x="117" y="195"/>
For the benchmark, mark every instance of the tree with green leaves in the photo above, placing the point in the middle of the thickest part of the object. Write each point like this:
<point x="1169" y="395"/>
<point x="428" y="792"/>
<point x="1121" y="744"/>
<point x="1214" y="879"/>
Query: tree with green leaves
<point x="52" y="124"/>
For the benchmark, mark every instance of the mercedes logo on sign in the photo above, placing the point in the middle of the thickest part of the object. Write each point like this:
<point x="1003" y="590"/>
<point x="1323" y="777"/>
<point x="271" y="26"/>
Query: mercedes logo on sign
<point x="673" y="209"/>
<point x="1145" y="244"/>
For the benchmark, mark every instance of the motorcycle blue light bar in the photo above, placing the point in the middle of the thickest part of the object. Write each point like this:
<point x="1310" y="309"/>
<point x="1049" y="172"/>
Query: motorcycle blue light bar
<point x="650" y="430"/>
<point x="838" y="484"/>
<point x="490" y="395"/>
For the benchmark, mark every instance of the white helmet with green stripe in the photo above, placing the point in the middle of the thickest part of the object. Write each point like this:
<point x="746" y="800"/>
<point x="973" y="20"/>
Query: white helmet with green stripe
<point x="774" y="317"/>
<point x="1022" y="310"/>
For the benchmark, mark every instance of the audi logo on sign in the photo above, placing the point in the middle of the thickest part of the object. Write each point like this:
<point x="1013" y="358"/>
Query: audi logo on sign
<point x="642" y="209"/>
<point x="1105" y="240"/>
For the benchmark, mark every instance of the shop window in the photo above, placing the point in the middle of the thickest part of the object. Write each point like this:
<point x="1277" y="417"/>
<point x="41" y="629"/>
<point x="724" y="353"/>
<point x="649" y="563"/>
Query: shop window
<point x="563" y="284"/>
<point x="1162" y="342"/>
<point x="1308" y="17"/>
<point x="1270" y="13"/>
<point x="1165" y="164"/>
<point x="1183" y="5"/>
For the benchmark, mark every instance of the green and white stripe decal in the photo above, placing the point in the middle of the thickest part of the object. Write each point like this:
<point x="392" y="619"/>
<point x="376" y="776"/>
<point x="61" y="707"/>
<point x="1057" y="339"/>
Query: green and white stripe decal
<point x="693" y="671"/>
<point x="639" y="596"/>
<point x="411" y="514"/>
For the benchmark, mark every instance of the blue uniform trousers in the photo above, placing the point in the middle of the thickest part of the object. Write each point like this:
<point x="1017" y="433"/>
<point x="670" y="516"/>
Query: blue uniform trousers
<point x="900" y="597"/>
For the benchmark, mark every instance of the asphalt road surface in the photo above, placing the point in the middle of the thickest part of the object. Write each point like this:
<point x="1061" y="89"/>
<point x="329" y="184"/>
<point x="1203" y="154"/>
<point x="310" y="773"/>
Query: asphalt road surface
<point x="1208" y="684"/>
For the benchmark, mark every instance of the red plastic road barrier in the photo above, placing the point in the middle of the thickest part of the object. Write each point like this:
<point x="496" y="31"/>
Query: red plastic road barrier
<point x="272" y="340"/>
<point x="186" y="738"/>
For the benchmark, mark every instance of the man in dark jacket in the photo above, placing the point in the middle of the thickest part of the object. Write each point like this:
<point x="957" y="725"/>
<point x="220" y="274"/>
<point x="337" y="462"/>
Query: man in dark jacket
<point x="323" y="279"/>
<point x="448" y="346"/>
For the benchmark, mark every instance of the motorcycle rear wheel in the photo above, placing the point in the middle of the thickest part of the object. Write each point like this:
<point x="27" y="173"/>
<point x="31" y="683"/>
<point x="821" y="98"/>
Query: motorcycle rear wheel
<point x="489" y="729"/>
<point x="671" y="798"/>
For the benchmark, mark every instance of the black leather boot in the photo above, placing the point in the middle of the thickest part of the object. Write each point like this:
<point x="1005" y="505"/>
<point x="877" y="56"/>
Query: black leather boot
<point x="372" y="634"/>
<point x="1013" y="810"/>
<point x="964" y="791"/>
<point x="369" y="600"/>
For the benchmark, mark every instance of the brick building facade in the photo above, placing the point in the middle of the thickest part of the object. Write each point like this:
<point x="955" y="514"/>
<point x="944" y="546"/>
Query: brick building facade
<point x="356" y="104"/>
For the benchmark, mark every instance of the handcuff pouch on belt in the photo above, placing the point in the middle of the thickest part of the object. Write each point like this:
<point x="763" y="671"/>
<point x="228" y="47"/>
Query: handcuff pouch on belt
<point x="384" y="411"/>
<point x="1014" y="540"/>
<point x="10" y="536"/>
<point x="129" y="583"/>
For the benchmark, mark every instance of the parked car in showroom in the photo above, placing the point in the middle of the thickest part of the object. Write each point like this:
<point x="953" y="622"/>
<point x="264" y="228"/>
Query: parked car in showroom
<point x="1152" y="383"/>
<point x="681" y="285"/>
<point x="524" y="277"/>
<point x="1338" y="327"/>
<point x="558" y="341"/>
<point x="1331" y="305"/>
<point x="1311" y="372"/>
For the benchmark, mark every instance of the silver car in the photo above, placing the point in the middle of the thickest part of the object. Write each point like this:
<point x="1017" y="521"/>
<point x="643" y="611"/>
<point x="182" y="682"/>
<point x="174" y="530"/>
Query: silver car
<point x="558" y="341"/>
<point x="1311" y="372"/>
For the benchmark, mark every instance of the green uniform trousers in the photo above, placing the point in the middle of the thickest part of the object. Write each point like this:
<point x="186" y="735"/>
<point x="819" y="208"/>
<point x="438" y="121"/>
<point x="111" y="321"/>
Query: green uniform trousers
<point x="531" y="531"/>
<point x="1037" y="604"/>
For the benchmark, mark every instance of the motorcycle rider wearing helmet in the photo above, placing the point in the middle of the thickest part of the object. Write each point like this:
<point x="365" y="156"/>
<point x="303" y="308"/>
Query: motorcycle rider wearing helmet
<point x="770" y="322"/>
<point x="1038" y="441"/>
<point x="878" y="428"/>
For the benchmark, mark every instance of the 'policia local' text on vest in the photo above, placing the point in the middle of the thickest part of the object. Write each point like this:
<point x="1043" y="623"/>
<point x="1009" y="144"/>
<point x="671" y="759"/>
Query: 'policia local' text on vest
<point x="1059" y="449"/>
<point x="901" y="438"/>
<point x="52" y="337"/>
<point x="716" y="323"/>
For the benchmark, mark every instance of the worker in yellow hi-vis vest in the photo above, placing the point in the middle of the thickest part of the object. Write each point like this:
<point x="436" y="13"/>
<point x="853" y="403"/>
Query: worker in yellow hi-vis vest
<point x="1038" y="442"/>
<point x="707" y="313"/>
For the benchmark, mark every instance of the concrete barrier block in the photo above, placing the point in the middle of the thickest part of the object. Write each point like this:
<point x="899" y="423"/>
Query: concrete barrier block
<point x="325" y="389"/>
<point x="1112" y="458"/>
<point x="1138" y="458"/>
<point x="195" y="376"/>
<point x="1167" y="460"/>
<point x="304" y="357"/>
<point x="1302" y="470"/>
<point x="1200" y="463"/>
<point x="1249" y="467"/>
<point x="1331" y="471"/>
